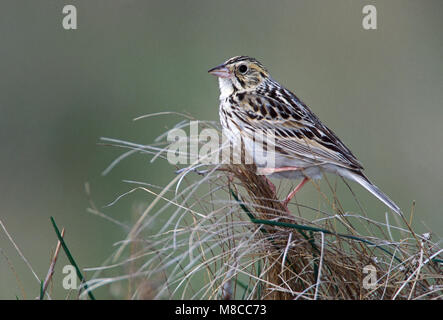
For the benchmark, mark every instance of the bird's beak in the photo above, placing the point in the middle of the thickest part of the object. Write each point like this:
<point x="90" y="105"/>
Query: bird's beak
<point x="220" y="71"/>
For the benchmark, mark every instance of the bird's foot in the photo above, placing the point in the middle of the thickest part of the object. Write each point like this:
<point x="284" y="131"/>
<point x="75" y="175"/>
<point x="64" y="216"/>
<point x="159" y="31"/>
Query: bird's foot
<point x="293" y="192"/>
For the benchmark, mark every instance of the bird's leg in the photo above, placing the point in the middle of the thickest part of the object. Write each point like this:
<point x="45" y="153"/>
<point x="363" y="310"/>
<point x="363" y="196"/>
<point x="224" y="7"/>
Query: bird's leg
<point x="293" y="192"/>
<point x="268" y="171"/>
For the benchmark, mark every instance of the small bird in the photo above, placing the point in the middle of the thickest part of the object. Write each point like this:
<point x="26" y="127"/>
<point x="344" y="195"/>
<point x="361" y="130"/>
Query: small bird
<point x="252" y="102"/>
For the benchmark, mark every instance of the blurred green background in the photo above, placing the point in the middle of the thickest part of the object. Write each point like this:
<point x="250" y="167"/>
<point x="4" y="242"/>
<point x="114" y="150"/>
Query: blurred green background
<point x="60" y="91"/>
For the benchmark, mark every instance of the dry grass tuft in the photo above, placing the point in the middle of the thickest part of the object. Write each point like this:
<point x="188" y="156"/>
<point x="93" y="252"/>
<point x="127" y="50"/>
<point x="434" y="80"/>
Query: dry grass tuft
<point x="223" y="233"/>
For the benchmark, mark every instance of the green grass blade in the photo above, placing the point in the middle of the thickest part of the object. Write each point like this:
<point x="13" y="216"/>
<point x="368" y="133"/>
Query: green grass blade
<point x="42" y="294"/>
<point x="71" y="259"/>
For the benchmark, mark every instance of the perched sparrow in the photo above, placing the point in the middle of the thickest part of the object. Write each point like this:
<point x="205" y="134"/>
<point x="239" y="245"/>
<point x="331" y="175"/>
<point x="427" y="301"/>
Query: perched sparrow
<point x="252" y="102"/>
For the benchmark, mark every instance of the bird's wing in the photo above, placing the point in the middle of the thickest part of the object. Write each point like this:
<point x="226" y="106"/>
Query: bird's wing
<point x="297" y="132"/>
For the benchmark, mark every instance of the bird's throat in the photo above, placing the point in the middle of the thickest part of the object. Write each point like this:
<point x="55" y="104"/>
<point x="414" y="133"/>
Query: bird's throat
<point x="226" y="87"/>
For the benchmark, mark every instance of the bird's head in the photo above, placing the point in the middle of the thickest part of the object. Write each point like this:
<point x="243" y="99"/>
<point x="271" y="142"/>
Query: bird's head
<point x="239" y="73"/>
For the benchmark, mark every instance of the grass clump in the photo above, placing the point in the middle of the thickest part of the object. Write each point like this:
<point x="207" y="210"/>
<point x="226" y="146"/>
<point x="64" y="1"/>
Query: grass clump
<point x="221" y="232"/>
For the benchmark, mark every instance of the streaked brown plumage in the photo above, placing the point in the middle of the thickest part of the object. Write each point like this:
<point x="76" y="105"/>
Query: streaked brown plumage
<point x="252" y="102"/>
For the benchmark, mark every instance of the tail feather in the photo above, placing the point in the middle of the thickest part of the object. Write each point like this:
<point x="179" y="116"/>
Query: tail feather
<point x="368" y="185"/>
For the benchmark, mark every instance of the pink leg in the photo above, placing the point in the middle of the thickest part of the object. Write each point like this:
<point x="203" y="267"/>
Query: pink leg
<point x="297" y="188"/>
<point x="268" y="171"/>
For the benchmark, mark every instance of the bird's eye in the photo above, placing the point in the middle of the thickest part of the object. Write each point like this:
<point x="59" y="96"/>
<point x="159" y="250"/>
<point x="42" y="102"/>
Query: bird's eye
<point x="243" y="68"/>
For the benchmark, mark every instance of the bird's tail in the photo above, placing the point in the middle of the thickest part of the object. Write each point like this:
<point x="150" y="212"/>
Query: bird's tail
<point x="364" y="181"/>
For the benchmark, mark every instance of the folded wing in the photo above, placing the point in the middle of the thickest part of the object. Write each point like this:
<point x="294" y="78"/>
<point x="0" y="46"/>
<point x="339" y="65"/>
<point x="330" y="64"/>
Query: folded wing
<point x="296" y="130"/>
